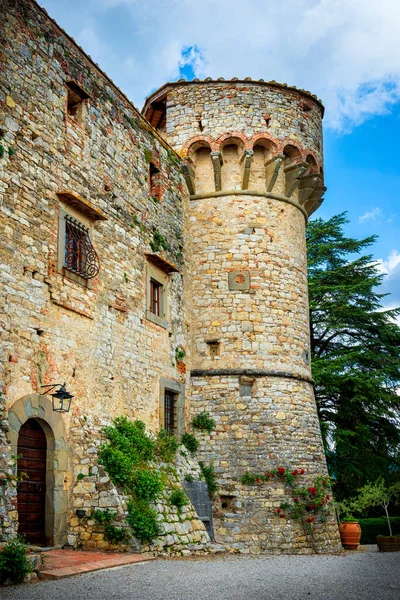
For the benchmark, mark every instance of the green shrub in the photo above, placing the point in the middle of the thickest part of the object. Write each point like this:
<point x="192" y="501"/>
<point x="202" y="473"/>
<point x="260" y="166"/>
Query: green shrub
<point x="178" y="498"/>
<point x="209" y="476"/>
<point x="129" y="445"/>
<point x="117" y="464"/>
<point x="190" y="442"/>
<point x="131" y="438"/>
<point x="116" y="535"/>
<point x="143" y="521"/>
<point x="189" y="478"/>
<point x="14" y="563"/>
<point x="102" y="517"/>
<point x="204" y="422"/>
<point x="113" y="534"/>
<point x="167" y="445"/>
<point x="147" y="485"/>
<point x="248" y="478"/>
<point x="371" y="528"/>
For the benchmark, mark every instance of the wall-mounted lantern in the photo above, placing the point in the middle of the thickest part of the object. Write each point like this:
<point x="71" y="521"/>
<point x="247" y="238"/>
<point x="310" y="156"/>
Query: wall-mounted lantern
<point x="61" y="398"/>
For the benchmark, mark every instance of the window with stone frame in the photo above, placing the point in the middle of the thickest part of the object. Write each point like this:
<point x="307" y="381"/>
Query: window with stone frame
<point x="77" y="257"/>
<point x="171" y="410"/>
<point x="157" y="295"/>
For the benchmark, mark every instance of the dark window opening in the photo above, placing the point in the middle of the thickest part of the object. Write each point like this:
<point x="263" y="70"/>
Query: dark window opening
<point x="170" y="409"/>
<point x="155" y="297"/>
<point x="305" y="107"/>
<point x="155" y="182"/>
<point x="75" y="98"/>
<point x="214" y="347"/>
<point x="227" y="503"/>
<point x="79" y="255"/>
<point x="267" y="120"/>
<point x="200" y="124"/>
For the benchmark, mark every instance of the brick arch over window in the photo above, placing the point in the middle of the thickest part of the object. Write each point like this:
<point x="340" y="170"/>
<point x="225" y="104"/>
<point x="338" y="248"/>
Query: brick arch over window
<point x="265" y="140"/>
<point x="198" y="139"/>
<point x="35" y="406"/>
<point x="232" y="137"/>
<point x="292" y="154"/>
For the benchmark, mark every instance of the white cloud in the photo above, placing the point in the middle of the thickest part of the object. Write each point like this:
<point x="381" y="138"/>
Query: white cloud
<point x="371" y="215"/>
<point x="390" y="265"/>
<point x="346" y="51"/>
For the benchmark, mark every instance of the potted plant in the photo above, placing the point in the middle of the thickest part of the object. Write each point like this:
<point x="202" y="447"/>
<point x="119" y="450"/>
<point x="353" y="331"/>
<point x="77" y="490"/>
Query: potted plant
<point x="350" y="533"/>
<point x="379" y="494"/>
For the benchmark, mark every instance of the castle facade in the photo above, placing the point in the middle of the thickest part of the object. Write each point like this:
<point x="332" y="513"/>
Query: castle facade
<point x="155" y="263"/>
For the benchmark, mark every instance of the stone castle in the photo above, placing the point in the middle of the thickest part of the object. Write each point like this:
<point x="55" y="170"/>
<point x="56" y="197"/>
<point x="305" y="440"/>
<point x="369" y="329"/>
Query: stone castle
<point x="155" y="262"/>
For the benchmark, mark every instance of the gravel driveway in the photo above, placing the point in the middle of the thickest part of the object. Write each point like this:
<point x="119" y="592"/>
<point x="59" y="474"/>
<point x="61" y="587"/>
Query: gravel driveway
<point x="358" y="576"/>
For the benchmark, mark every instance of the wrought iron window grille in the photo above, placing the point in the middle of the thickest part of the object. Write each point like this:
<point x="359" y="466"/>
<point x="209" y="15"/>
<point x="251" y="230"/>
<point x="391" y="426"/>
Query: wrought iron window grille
<point x="170" y="411"/>
<point x="80" y="257"/>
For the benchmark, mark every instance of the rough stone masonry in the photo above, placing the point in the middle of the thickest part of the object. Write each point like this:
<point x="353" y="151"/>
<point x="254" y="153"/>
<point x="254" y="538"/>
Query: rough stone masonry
<point x="151" y="261"/>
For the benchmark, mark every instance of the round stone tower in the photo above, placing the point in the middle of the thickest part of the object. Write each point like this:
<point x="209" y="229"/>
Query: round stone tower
<point x="252" y="155"/>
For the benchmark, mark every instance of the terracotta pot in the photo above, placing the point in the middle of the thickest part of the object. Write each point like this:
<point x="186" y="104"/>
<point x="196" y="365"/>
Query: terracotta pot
<point x="388" y="543"/>
<point x="350" y="534"/>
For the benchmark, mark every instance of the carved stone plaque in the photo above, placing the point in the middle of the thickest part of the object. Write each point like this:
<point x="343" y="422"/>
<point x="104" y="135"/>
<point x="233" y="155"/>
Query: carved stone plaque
<point x="239" y="280"/>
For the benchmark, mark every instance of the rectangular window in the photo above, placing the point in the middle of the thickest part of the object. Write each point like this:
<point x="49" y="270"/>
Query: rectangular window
<point x="79" y="255"/>
<point x="214" y="347"/>
<point x="75" y="99"/>
<point x="172" y="406"/>
<point x="155" y="182"/>
<point x="170" y="411"/>
<point x="155" y="297"/>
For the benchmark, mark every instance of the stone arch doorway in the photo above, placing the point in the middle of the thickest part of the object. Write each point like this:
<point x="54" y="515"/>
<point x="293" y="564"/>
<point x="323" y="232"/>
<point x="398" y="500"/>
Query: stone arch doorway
<point x="31" y="486"/>
<point x="36" y="413"/>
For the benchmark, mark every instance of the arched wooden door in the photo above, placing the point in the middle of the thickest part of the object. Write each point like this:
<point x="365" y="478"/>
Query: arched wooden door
<point x="32" y="447"/>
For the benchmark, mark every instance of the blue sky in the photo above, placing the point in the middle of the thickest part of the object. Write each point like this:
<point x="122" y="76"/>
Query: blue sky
<point x="345" y="51"/>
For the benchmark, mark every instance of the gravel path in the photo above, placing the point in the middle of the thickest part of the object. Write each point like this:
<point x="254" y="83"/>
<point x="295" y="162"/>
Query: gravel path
<point x="351" y="576"/>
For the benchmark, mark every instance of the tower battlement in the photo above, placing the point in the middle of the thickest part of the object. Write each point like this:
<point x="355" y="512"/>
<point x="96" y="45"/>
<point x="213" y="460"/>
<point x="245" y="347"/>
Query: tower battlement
<point x="244" y="136"/>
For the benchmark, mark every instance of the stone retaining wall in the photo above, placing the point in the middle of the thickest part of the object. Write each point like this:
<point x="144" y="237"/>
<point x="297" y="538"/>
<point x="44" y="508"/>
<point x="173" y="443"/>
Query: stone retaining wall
<point x="183" y="532"/>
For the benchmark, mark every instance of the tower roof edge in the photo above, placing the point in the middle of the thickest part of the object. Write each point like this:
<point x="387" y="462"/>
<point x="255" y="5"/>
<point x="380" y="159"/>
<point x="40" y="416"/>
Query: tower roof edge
<point x="163" y="90"/>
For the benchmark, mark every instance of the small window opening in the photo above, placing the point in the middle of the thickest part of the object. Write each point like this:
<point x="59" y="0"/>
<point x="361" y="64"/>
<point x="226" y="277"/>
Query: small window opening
<point x="170" y="411"/>
<point x="214" y="347"/>
<point x="200" y="124"/>
<point x="227" y="503"/>
<point x="155" y="185"/>
<point x="155" y="297"/>
<point x="305" y="107"/>
<point x="245" y="386"/>
<point x="267" y="119"/>
<point x="75" y="98"/>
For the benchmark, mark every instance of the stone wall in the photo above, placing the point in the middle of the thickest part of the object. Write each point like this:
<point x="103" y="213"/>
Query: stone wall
<point x="275" y="426"/>
<point x="95" y="336"/>
<point x="92" y="489"/>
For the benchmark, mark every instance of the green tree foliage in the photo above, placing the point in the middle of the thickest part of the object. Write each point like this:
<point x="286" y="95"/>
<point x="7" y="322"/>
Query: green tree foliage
<point x="355" y="357"/>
